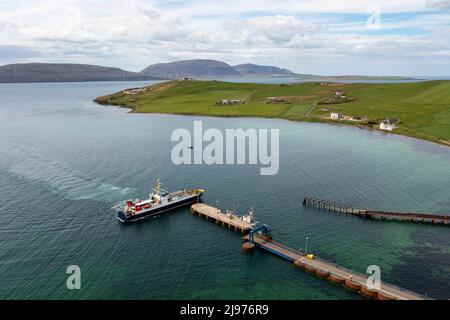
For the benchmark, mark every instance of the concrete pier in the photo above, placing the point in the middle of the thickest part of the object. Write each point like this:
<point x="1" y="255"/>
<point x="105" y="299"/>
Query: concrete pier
<point x="258" y="236"/>
<point x="326" y="270"/>
<point x="228" y="220"/>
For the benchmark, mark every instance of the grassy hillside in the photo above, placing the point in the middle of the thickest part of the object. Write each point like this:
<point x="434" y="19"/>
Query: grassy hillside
<point x="422" y="107"/>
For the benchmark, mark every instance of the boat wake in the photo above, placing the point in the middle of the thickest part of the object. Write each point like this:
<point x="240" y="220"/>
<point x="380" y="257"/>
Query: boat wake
<point x="27" y="163"/>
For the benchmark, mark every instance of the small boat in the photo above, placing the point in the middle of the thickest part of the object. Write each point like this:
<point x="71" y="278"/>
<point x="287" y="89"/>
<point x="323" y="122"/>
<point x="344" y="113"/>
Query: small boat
<point x="248" y="247"/>
<point x="159" y="201"/>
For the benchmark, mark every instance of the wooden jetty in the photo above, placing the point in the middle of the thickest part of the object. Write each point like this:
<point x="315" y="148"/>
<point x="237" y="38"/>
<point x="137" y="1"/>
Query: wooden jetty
<point x="228" y="219"/>
<point x="331" y="206"/>
<point x="338" y="275"/>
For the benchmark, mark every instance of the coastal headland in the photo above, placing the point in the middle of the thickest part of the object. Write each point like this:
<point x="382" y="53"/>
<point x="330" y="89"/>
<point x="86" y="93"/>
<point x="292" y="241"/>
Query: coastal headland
<point x="416" y="109"/>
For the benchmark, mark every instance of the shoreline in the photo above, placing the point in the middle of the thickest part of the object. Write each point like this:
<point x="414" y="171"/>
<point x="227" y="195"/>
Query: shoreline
<point x="306" y="120"/>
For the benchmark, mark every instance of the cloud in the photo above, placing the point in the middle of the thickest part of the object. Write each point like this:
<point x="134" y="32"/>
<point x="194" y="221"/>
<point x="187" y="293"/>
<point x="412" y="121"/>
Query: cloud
<point x="217" y="8"/>
<point x="274" y="30"/>
<point x="17" y="52"/>
<point x="438" y="4"/>
<point x="134" y="33"/>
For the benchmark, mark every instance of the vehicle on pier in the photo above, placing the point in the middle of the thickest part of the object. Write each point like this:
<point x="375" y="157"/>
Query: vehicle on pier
<point x="159" y="201"/>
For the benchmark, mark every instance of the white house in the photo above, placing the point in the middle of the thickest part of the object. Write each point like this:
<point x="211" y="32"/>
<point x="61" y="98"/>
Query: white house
<point x="340" y="95"/>
<point x="335" y="116"/>
<point x="387" y="125"/>
<point x="230" y="102"/>
<point x="275" y="100"/>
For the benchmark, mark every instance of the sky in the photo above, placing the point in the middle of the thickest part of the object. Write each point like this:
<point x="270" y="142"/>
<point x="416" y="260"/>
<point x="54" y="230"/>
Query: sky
<point x="327" y="37"/>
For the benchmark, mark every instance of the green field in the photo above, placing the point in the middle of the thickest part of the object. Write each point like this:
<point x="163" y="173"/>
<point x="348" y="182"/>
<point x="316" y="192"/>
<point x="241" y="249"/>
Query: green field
<point x="423" y="108"/>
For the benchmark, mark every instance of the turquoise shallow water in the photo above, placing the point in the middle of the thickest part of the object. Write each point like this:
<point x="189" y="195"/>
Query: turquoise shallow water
<point x="65" y="161"/>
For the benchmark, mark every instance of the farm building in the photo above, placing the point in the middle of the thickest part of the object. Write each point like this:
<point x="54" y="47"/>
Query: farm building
<point x="275" y="100"/>
<point x="336" y="116"/>
<point x="229" y="102"/>
<point x="387" y="125"/>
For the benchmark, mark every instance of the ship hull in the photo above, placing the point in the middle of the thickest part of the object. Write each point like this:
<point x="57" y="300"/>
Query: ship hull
<point x="157" y="211"/>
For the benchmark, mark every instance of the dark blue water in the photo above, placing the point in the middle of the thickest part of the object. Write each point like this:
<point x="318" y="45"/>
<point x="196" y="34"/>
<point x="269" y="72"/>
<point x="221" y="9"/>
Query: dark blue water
<point x="65" y="161"/>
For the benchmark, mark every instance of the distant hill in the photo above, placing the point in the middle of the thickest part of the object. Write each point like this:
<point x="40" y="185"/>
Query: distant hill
<point x="254" y="69"/>
<point x="52" y="72"/>
<point x="213" y="69"/>
<point x="199" y="69"/>
<point x="190" y="68"/>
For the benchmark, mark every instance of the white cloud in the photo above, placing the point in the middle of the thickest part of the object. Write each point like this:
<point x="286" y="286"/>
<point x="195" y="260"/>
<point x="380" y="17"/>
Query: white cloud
<point x="274" y="30"/>
<point x="134" y="33"/>
<point x="208" y="8"/>
<point x="438" y="4"/>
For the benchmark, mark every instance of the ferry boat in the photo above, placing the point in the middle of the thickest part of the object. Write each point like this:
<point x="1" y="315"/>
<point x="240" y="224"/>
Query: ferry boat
<point x="159" y="201"/>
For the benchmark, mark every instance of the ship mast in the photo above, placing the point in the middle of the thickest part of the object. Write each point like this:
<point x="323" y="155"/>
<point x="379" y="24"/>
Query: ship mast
<point x="158" y="185"/>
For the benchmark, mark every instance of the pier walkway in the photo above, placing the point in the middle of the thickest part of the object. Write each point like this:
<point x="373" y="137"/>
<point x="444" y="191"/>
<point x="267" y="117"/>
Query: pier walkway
<point x="331" y="206"/>
<point x="329" y="271"/>
<point x="228" y="219"/>
<point x="257" y="235"/>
